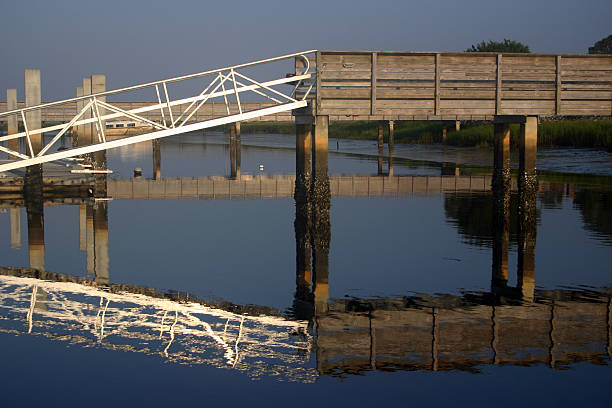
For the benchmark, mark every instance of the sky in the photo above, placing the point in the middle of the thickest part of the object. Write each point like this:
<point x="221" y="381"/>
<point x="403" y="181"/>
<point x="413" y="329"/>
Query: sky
<point x="139" y="41"/>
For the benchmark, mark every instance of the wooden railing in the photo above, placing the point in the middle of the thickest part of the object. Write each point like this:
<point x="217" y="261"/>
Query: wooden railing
<point x="421" y="86"/>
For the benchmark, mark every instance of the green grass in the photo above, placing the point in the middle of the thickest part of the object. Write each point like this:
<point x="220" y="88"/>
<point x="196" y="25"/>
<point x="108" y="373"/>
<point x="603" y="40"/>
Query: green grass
<point x="565" y="133"/>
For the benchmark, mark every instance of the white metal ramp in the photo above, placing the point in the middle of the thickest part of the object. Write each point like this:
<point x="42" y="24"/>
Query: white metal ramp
<point x="227" y="83"/>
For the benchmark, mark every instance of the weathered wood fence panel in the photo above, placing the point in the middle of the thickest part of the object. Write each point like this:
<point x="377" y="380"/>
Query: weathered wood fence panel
<point x="416" y="86"/>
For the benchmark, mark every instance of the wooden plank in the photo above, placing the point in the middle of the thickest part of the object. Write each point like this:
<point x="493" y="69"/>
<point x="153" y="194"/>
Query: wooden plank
<point x="529" y="60"/>
<point x="386" y="60"/>
<point x="346" y="103"/>
<point x="437" y="85"/>
<point x="406" y="84"/>
<point x="558" y="86"/>
<point x="599" y="62"/>
<point x="469" y="84"/>
<point x="373" y="83"/>
<point x="345" y="61"/>
<point x="346" y="93"/>
<point x="343" y="75"/>
<point x="408" y="93"/>
<point x="532" y="94"/>
<point x="405" y="68"/>
<point x="342" y="84"/>
<point x="527" y="86"/>
<point x="468" y="104"/>
<point x="594" y="106"/>
<point x="407" y="76"/>
<point x="467" y="76"/>
<point x="588" y="94"/>
<point x="587" y="76"/>
<point x="406" y="104"/>
<point x="474" y="59"/>
<point x="467" y="93"/>
<point x="532" y="107"/>
<point x="498" y="87"/>
<point x="526" y="76"/>
<point x="472" y="112"/>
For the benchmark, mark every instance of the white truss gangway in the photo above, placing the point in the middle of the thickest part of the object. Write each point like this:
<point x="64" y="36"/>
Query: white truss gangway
<point x="227" y="83"/>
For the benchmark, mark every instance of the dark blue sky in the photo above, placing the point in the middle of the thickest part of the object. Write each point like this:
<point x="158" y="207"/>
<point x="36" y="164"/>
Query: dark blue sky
<point x="137" y="41"/>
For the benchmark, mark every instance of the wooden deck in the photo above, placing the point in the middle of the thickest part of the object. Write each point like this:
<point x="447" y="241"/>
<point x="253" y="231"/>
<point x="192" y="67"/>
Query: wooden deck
<point x="459" y="86"/>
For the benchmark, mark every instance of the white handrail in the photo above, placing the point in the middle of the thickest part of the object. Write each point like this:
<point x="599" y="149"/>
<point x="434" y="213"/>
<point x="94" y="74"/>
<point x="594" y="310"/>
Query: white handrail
<point x="163" y="81"/>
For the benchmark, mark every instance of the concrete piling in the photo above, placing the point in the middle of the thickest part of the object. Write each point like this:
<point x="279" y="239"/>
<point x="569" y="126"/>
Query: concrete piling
<point x="86" y="129"/>
<point x="33" y="98"/>
<point x="77" y="131"/>
<point x="11" y="104"/>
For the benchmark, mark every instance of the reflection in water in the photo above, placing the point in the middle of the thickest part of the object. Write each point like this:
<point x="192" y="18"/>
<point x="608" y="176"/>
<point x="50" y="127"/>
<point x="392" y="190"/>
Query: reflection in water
<point x="521" y="326"/>
<point x="596" y="209"/>
<point x="156" y="159"/>
<point x="181" y="328"/>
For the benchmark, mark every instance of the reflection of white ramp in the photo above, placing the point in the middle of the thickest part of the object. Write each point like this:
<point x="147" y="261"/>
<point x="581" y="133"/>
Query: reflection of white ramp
<point x="185" y="332"/>
<point x="226" y="83"/>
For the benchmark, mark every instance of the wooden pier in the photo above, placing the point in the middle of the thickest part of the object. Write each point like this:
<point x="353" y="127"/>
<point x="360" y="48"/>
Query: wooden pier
<point x="458" y="86"/>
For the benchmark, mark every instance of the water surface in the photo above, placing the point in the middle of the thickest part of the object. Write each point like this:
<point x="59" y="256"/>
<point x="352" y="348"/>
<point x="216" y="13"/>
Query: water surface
<point x="172" y="297"/>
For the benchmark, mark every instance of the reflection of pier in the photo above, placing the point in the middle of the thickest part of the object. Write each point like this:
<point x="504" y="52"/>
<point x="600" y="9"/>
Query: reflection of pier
<point x="180" y="328"/>
<point x="422" y="332"/>
<point x="255" y="187"/>
<point x="520" y="326"/>
<point x="462" y="333"/>
<point x="259" y="187"/>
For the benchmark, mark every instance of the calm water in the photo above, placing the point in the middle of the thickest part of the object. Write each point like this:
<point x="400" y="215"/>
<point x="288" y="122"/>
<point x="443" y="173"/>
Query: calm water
<point x="205" y="296"/>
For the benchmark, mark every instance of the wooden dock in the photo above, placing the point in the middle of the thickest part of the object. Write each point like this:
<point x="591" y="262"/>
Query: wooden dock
<point x="458" y="86"/>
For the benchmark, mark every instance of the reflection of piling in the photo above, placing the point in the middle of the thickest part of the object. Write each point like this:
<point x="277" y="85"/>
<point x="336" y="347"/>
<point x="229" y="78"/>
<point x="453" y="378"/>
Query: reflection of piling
<point x="33" y="196"/>
<point x="232" y="147"/>
<point x="435" y="339"/>
<point x="235" y="149"/>
<point x="99" y="162"/>
<point x="83" y="227"/>
<point x="501" y="205"/>
<point x="238" y="149"/>
<point x="312" y="206"/>
<point x="321" y="202"/>
<point x="528" y="187"/>
<point x="101" y="242"/>
<point x="303" y="301"/>
<point x="156" y="145"/>
<point x="15" y="215"/>
<point x="11" y="104"/>
<point x="97" y="242"/>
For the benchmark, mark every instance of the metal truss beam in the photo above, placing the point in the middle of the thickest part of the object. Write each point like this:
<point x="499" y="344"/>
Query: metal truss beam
<point x="93" y="104"/>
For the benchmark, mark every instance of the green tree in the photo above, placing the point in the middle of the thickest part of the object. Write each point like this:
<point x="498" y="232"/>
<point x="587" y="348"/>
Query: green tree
<point x="499" y="46"/>
<point x="603" y="46"/>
